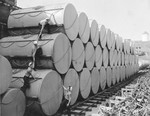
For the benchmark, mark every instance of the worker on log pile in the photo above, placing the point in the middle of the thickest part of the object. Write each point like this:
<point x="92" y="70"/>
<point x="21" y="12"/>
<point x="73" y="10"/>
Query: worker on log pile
<point x="66" y="102"/>
<point x="68" y="92"/>
<point x="28" y="75"/>
<point x="43" y="23"/>
<point x="37" y="51"/>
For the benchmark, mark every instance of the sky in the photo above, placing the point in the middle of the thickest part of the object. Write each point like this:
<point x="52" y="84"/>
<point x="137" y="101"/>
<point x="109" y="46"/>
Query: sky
<point x="128" y="18"/>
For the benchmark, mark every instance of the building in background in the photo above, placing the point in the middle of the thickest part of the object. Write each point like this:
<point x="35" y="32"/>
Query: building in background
<point x="145" y="36"/>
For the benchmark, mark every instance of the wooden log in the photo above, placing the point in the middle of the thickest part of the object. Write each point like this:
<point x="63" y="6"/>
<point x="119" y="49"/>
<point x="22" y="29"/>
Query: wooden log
<point x="102" y="32"/>
<point x="124" y="71"/>
<point x="89" y="55"/>
<point x="84" y="28"/>
<point x="119" y="58"/>
<point x="123" y="46"/>
<point x="113" y="75"/>
<point x="102" y="78"/>
<point x="78" y="54"/>
<point x="108" y="39"/>
<point x="132" y="69"/>
<point x="115" y="58"/>
<point x="126" y="59"/>
<point x="121" y="73"/>
<point x="13" y="103"/>
<point x="72" y="79"/>
<point x="47" y="88"/>
<point x="85" y="83"/>
<point x="109" y="76"/>
<point x="94" y="34"/>
<point x="120" y="44"/>
<point x="95" y="80"/>
<point x="63" y="16"/>
<point x="130" y="59"/>
<point x="57" y="46"/>
<point x="98" y="56"/>
<point x="122" y="59"/>
<point x="127" y="46"/>
<point x="118" y="74"/>
<point x="5" y="74"/>
<point x="105" y="57"/>
<point x="127" y="71"/>
<point x="110" y="57"/>
<point x="113" y="40"/>
<point x="117" y="42"/>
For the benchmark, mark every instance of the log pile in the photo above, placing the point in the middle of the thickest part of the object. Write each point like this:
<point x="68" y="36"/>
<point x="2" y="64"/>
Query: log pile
<point x="76" y="52"/>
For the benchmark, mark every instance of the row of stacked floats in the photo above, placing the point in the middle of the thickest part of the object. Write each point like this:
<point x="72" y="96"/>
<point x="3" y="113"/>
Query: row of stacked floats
<point x="76" y="52"/>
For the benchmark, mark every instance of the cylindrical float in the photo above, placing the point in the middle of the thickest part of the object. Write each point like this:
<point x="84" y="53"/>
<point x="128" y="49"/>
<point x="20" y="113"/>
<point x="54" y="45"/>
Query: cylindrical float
<point x="94" y="32"/>
<point x="124" y="71"/>
<point x="108" y="76"/>
<point x="118" y="74"/>
<point x="63" y="18"/>
<point x="108" y="39"/>
<point x="13" y="103"/>
<point x="102" y="36"/>
<point x="119" y="58"/>
<point x="122" y="58"/>
<point x="113" y="75"/>
<point x="115" y="57"/>
<point x="117" y="42"/>
<point x="72" y="79"/>
<point x="95" y="80"/>
<point x="57" y="46"/>
<point x="113" y="41"/>
<point x="47" y="88"/>
<point x="85" y="83"/>
<point x="78" y="54"/>
<point x="5" y="74"/>
<point x="110" y="57"/>
<point x="105" y="57"/>
<point x="121" y="73"/>
<point x="120" y="44"/>
<point x="102" y="78"/>
<point x="126" y="59"/>
<point x="98" y="56"/>
<point x="84" y="28"/>
<point x="89" y="55"/>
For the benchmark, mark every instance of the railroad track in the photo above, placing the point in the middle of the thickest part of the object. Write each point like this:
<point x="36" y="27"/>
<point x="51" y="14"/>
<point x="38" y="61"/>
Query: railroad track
<point x="80" y="108"/>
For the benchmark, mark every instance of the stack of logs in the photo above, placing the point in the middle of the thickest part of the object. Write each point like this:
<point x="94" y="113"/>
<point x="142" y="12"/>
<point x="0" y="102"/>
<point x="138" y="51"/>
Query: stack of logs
<point x="76" y="52"/>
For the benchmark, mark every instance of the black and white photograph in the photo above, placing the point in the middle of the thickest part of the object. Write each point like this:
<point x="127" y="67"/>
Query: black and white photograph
<point x="74" y="57"/>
